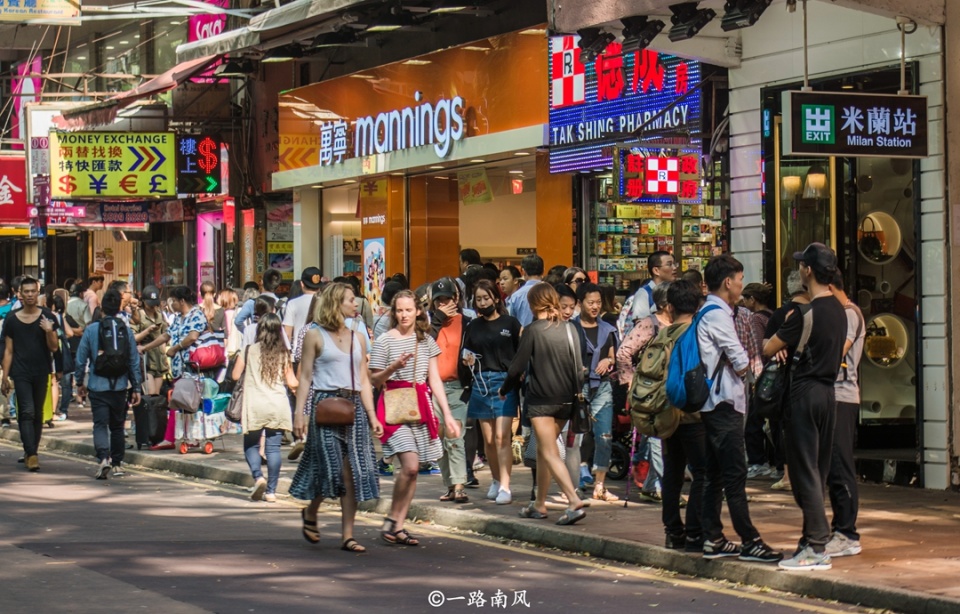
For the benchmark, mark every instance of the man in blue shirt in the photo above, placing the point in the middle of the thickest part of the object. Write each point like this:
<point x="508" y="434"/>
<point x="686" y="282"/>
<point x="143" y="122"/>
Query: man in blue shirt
<point x="108" y="397"/>
<point x="517" y="304"/>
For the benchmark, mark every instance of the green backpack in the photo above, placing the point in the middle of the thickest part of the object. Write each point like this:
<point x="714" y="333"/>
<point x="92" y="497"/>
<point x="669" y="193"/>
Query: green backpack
<point x="650" y="410"/>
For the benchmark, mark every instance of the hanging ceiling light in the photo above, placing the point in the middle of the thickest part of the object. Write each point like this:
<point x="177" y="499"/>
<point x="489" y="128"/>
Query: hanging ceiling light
<point x="742" y="13"/>
<point x="639" y="32"/>
<point x="593" y="41"/>
<point x="816" y="183"/>
<point x="688" y="20"/>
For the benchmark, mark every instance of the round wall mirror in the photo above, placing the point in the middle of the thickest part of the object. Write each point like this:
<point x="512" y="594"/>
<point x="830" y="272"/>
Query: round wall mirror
<point x="886" y="342"/>
<point x="878" y="237"/>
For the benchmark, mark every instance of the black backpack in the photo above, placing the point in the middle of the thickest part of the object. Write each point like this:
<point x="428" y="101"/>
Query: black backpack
<point x="113" y="359"/>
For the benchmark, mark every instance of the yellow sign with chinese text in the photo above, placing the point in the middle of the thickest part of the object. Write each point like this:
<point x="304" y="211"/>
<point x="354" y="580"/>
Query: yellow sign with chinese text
<point x="112" y="165"/>
<point x="61" y="12"/>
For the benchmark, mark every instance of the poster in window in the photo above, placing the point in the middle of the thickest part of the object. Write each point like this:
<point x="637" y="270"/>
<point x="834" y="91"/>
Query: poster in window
<point x="374" y="269"/>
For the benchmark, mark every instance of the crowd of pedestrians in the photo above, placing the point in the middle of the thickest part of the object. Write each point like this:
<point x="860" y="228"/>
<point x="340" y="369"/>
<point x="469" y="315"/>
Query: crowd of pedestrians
<point x="429" y="380"/>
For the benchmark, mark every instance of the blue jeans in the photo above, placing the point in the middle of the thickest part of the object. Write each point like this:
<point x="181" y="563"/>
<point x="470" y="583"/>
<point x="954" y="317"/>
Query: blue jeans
<point x="601" y="408"/>
<point x="109" y="411"/>
<point x="66" y="392"/>
<point x="251" y="450"/>
<point x="655" y="455"/>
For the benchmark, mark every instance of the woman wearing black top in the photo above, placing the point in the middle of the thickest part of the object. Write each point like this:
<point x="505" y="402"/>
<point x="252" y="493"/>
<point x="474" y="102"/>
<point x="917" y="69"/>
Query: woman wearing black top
<point x="489" y="346"/>
<point x="545" y="353"/>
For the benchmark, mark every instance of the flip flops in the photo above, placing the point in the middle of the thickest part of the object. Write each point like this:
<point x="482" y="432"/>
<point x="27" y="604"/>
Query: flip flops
<point x="572" y="517"/>
<point x="531" y="512"/>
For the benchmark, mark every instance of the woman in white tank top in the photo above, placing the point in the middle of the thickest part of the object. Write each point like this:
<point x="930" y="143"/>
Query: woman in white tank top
<point x="338" y="461"/>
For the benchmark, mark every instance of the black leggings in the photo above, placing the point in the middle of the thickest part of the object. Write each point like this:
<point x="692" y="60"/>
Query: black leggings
<point x="31" y="395"/>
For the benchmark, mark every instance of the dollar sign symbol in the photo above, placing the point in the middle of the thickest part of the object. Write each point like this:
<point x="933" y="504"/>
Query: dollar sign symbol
<point x="67" y="184"/>
<point x="209" y="160"/>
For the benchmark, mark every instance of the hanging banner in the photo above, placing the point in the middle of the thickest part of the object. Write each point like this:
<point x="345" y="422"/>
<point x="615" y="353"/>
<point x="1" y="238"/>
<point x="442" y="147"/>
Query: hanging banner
<point x="474" y="187"/>
<point x="112" y="165"/>
<point x="854" y="125"/>
<point x="13" y="190"/>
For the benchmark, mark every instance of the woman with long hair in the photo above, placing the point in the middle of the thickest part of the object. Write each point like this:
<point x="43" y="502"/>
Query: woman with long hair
<point x="211" y="309"/>
<point x="548" y="352"/>
<point x="266" y="410"/>
<point x="404" y="357"/>
<point x="228" y="299"/>
<point x="338" y="461"/>
<point x="489" y="347"/>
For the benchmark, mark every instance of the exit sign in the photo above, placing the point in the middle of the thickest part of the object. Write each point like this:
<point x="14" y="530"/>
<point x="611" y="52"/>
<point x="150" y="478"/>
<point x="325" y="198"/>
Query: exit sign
<point x="199" y="164"/>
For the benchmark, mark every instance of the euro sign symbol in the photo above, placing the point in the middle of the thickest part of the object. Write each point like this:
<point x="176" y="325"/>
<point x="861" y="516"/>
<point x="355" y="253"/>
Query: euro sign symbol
<point x="208" y="160"/>
<point x="67" y="184"/>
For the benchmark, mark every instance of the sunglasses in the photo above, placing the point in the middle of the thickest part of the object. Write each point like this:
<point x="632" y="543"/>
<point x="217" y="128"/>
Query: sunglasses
<point x="578" y="280"/>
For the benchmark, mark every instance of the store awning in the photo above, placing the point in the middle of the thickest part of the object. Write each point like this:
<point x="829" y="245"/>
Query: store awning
<point x="301" y="15"/>
<point x="104" y="112"/>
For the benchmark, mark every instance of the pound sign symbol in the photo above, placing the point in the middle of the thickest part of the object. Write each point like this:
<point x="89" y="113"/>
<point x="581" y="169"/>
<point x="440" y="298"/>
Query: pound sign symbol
<point x="155" y="186"/>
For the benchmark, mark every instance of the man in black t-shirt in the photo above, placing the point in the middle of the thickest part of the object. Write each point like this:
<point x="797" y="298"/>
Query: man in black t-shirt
<point x="811" y="414"/>
<point x="30" y="335"/>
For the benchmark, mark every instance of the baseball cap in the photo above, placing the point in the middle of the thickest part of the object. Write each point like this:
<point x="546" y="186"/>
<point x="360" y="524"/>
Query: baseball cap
<point x="818" y="257"/>
<point x="312" y="277"/>
<point x="442" y="287"/>
<point x="151" y="296"/>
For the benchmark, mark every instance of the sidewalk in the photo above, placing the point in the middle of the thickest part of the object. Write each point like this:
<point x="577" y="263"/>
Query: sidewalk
<point x="910" y="562"/>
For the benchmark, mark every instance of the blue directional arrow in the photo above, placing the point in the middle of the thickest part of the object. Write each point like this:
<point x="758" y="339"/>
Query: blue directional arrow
<point x="160" y="158"/>
<point x="140" y="158"/>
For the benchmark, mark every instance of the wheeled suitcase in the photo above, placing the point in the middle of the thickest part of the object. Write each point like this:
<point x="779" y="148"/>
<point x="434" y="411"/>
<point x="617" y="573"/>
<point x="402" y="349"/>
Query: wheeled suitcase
<point x="151" y="420"/>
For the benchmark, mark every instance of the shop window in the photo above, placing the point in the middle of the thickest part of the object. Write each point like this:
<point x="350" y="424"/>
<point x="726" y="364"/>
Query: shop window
<point x="164" y="262"/>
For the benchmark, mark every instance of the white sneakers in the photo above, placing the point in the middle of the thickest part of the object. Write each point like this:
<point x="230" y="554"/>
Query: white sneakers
<point x="841" y="545"/>
<point x="807" y="560"/>
<point x="494" y="490"/>
<point x="103" y="470"/>
<point x="504" y="497"/>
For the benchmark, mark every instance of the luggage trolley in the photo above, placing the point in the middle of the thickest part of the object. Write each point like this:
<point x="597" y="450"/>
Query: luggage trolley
<point x="204" y="426"/>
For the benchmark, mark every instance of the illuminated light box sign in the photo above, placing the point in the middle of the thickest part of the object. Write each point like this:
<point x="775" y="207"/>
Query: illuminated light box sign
<point x="854" y="125"/>
<point x="594" y="105"/>
<point x="199" y="167"/>
<point x="656" y="175"/>
<point x="112" y="165"/>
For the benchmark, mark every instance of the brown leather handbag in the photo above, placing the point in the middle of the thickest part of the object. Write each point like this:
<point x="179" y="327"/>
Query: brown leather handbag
<point x="338" y="411"/>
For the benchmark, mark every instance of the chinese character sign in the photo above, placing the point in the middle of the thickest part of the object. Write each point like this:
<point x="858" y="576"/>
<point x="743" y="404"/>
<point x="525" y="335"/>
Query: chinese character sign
<point x="851" y="125"/>
<point x="64" y="12"/>
<point x="199" y="166"/>
<point x="112" y="164"/>
<point x="653" y="175"/>
<point x="13" y="194"/>
<point x="596" y="104"/>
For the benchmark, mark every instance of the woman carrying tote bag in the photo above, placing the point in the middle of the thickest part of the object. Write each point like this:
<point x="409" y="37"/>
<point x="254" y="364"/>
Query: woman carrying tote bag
<point x="404" y="359"/>
<point x="338" y="460"/>
<point x="267" y="373"/>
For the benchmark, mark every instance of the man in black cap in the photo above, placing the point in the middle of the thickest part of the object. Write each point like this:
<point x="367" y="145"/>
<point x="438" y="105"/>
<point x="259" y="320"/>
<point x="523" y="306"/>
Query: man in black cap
<point x="448" y="326"/>
<point x="295" y="315"/>
<point x="811" y="414"/>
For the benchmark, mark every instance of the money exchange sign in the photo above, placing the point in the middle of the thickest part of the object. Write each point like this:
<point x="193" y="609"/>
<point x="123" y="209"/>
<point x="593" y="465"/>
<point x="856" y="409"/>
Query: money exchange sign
<point x="112" y="165"/>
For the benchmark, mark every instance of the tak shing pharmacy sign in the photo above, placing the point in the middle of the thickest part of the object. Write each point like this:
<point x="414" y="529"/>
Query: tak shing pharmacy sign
<point x="595" y="104"/>
<point x="854" y="125"/>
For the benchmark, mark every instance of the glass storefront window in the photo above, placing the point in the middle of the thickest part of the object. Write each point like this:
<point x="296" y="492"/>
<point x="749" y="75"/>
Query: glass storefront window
<point x="164" y="257"/>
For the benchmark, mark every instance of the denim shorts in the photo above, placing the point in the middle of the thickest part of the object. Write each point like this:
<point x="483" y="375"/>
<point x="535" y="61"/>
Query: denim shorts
<point x="485" y="404"/>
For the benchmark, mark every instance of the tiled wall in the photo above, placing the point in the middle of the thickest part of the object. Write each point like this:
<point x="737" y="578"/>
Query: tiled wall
<point x="842" y="40"/>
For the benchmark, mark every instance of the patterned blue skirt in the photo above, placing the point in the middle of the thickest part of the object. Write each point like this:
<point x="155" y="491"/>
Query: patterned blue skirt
<point x="320" y="472"/>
